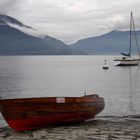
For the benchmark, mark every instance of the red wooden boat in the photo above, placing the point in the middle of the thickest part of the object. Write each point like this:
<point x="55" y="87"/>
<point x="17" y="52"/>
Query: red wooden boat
<point x="33" y="113"/>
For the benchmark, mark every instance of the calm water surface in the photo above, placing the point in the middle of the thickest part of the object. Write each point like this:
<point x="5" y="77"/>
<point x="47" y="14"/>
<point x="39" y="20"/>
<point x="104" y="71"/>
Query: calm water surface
<point x="37" y="76"/>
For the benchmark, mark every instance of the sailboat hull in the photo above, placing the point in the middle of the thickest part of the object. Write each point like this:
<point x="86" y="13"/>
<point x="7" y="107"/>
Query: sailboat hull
<point x="127" y="62"/>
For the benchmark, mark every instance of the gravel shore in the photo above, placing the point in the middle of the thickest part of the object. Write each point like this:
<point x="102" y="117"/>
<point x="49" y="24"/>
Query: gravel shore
<point x="111" y="128"/>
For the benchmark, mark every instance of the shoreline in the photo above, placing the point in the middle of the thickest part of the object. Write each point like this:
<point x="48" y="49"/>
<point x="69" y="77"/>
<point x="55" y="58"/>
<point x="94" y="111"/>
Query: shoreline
<point x="107" y="128"/>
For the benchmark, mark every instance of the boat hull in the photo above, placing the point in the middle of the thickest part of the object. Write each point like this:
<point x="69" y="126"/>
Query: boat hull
<point x="105" y="67"/>
<point x="127" y="62"/>
<point x="33" y="113"/>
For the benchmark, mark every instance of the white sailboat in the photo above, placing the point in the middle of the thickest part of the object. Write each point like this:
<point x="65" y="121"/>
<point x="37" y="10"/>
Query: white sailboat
<point x="128" y="59"/>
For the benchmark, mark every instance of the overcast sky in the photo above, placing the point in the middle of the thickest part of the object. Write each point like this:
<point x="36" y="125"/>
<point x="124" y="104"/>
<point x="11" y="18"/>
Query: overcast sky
<point x="71" y="20"/>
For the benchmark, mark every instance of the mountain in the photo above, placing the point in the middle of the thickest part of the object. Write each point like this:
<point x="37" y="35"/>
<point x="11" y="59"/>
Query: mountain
<point x="113" y="42"/>
<point x="15" y="42"/>
<point x="4" y="19"/>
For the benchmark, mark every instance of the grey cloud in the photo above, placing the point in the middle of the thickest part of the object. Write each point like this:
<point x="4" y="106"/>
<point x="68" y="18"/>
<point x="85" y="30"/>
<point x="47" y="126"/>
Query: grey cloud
<point x="7" y="6"/>
<point x="72" y="20"/>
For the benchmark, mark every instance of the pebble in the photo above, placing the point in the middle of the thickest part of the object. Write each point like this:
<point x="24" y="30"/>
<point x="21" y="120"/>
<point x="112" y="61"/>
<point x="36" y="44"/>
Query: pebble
<point x="99" y="129"/>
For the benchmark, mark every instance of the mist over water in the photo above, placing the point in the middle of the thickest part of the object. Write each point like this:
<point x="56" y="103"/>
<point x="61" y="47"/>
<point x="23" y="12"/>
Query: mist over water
<point x="41" y="76"/>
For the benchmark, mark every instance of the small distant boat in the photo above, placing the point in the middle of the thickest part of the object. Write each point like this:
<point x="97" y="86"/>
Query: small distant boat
<point x="32" y="113"/>
<point x="127" y="59"/>
<point x="105" y="66"/>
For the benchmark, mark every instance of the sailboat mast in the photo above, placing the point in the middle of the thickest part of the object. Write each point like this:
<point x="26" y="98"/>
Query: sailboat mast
<point x="135" y="36"/>
<point x="130" y="34"/>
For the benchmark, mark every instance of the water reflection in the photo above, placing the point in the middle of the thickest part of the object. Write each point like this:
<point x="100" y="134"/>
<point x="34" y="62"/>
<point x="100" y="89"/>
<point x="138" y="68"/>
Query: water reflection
<point x="133" y="75"/>
<point x="130" y="104"/>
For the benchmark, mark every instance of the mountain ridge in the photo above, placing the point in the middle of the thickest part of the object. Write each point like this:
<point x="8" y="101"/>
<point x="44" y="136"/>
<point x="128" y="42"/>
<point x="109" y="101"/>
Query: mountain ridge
<point x="15" y="42"/>
<point x="7" y="19"/>
<point x="113" y="42"/>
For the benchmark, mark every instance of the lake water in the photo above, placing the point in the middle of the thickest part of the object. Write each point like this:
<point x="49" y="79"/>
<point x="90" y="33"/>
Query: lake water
<point x="37" y="76"/>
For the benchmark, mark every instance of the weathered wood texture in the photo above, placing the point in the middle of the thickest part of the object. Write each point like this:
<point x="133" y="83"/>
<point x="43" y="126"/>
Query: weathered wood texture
<point x="32" y="113"/>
